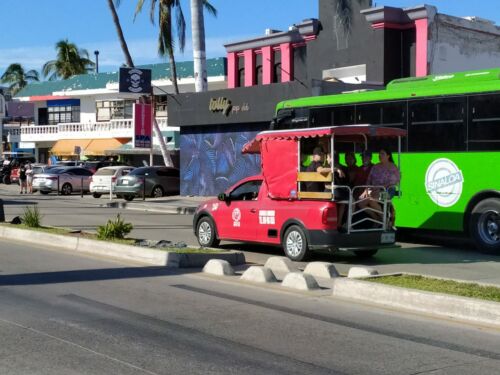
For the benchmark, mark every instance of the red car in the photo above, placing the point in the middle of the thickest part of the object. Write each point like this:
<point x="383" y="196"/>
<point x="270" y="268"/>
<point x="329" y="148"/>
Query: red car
<point x="271" y="208"/>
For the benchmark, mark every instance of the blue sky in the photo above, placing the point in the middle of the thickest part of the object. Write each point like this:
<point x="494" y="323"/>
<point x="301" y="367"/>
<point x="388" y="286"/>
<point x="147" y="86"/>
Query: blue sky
<point x="30" y="28"/>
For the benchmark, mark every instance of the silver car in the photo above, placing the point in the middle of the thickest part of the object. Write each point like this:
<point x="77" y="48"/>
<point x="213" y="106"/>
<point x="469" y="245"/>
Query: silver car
<point x="66" y="179"/>
<point x="106" y="177"/>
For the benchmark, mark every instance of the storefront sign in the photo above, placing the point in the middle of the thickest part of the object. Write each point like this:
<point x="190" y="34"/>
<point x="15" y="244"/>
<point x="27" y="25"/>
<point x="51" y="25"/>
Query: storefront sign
<point x="220" y="105"/>
<point x="142" y="125"/>
<point x="137" y="81"/>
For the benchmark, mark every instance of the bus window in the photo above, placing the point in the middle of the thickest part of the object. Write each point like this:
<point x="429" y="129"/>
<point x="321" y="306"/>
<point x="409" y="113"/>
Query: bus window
<point x="393" y="114"/>
<point x="343" y="115"/>
<point x="484" y="124"/>
<point x="369" y="114"/>
<point x="321" y="117"/>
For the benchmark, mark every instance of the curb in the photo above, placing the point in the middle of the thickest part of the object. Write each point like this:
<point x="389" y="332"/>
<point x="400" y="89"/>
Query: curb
<point x="444" y="305"/>
<point x="119" y="251"/>
<point x="179" y="210"/>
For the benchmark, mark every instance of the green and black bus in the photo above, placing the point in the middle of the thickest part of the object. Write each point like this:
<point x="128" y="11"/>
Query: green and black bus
<point x="450" y="164"/>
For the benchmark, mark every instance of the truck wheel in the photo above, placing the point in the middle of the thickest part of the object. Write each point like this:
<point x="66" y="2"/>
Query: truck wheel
<point x="485" y="226"/>
<point x="205" y="233"/>
<point x="295" y="244"/>
<point x="365" y="254"/>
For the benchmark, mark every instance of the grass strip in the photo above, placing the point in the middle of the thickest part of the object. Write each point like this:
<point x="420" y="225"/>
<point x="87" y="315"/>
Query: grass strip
<point x="473" y="290"/>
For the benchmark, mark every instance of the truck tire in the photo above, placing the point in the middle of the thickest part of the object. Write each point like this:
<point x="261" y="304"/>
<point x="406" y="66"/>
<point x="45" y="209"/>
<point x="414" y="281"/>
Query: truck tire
<point x="484" y="226"/>
<point x="206" y="233"/>
<point x="295" y="244"/>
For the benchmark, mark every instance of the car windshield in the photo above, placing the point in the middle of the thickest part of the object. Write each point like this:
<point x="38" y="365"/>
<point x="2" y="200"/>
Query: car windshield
<point x="105" y="172"/>
<point x="140" y="172"/>
<point x="57" y="170"/>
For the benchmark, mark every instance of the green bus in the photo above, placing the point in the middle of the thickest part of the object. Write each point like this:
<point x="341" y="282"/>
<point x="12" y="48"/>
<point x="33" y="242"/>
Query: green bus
<point x="450" y="162"/>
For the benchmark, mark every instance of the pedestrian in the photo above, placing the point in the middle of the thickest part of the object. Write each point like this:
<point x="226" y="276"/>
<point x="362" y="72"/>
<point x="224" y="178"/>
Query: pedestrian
<point x="29" y="177"/>
<point x="22" y="178"/>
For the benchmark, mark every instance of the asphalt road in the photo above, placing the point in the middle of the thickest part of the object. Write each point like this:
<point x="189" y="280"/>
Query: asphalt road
<point x="455" y="260"/>
<point x="66" y="314"/>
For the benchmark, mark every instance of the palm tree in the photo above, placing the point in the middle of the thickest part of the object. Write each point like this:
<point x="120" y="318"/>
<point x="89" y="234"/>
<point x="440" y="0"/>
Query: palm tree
<point x="198" y="36"/>
<point x="119" y="31"/>
<point x="18" y="77"/>
<point x="70" y="61"/>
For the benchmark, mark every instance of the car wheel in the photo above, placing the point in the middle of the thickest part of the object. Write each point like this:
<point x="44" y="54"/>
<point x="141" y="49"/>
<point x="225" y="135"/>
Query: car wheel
<point x="157" y="192"/>
<point x="96" y="195"/>
<point x="128" y="197"/>
<point x="295" y="244"/>
<point x="365" y="254"/>
<point x="485" y="226"/>
<point x="44" y="192"/>
<point x="206" y="233"/>
<point x="6" y="180"/>
<point x="66" y="189"/>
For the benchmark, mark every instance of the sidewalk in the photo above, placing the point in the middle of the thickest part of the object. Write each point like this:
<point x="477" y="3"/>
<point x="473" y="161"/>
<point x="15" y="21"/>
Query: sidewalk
<point x="176" y="204"/>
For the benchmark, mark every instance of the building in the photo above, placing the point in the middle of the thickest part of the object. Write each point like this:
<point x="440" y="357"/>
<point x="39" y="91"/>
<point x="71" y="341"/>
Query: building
<point x="87" y="114"/>
<point x="316" y="57"/>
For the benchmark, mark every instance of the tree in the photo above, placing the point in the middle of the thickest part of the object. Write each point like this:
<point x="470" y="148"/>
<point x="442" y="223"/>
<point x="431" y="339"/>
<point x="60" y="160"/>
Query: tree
<point x="119" y="31"/>
<point x="198" y="36"/>
<point x="70" y="61"/>
<point x="18" y="77"/>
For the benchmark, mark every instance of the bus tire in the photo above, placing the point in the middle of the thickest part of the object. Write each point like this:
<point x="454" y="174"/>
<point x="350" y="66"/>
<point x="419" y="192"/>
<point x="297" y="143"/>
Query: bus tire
<point x="485" y="226"/>
<point x="206" y="234"/>
<point x="295" y="244"/>
<point x="365" y="254"/>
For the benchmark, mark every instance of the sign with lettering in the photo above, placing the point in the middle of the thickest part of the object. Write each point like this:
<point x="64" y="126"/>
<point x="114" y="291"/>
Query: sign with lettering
<point x="137" y="81"/>
<point x="142" y="125"/>
<point x="220" y="105"/>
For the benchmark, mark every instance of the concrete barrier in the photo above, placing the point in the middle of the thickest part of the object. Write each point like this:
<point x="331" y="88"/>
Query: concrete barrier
<point x="218" y="267"/>
<point x="280" y="264"/>
<point x="357" y="272"/>
<point x="258" y="274"/>
<point x="321" y="269"/>
<point x="300" y="281"/>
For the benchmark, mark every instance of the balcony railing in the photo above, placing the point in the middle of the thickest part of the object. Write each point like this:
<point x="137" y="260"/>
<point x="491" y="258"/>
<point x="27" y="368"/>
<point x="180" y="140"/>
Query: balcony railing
<point x="93" y="130"/>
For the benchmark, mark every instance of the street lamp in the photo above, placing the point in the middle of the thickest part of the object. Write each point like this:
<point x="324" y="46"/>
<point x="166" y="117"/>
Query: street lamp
<point x="96" y="53"/>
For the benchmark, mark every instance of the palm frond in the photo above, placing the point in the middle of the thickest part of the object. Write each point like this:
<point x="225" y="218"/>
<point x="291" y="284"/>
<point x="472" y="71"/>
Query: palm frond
<point x="210" y="8"/>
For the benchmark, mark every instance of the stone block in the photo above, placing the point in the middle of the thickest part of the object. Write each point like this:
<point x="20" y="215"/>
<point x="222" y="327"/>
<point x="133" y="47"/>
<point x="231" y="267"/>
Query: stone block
<point x="218" y="267"/>
<point x="280" y="264"/>
<point x="300" y="281"/>
<point x="259" y="274"/>
<point x="357" y="272"/>
<point x="321" y="269"/>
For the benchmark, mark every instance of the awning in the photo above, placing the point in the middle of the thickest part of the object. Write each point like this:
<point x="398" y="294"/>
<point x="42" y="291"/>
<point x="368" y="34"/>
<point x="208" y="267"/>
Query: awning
<point x="100" y="146"/>
<point x="69" y="147"/>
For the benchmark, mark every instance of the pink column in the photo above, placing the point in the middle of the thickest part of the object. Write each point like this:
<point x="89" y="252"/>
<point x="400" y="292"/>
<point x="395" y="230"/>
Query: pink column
<point x="249" y="57"/>
<point x="232" y="70"/>
<point x="267" y="65"/>
<point x="286" y="62"/>
<point x="422" y="31"/>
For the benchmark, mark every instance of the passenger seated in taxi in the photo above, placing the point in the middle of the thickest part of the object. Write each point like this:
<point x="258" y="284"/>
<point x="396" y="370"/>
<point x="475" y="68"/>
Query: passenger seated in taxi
<point x="316" y="166"/>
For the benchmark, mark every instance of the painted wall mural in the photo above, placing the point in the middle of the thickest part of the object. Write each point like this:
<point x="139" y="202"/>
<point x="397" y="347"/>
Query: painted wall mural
<point x="211" y="159"/>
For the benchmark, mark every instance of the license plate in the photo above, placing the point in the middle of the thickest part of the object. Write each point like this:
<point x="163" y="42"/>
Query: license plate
<point x="388" y="238"/>
<point x="125" y="182"/>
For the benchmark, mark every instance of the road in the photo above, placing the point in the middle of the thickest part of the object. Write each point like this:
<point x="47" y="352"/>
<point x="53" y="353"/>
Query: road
<point x="67" y="314"/>
<point x="456" y="260"/>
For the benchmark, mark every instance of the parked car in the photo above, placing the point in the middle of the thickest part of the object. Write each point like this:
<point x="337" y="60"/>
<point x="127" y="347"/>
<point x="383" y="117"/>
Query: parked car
<point x="154" y="181"/>
<point x="13" y="160"/>
<point x="71" y="179"/>
<point x="37" y="169"/>
<point x="106" y="177"/>
<point x="94" y="166"/>
<point x="69" y="163"/>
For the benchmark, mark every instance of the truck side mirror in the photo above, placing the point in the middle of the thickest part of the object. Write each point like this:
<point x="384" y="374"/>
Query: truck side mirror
<point x="223" y="197"/>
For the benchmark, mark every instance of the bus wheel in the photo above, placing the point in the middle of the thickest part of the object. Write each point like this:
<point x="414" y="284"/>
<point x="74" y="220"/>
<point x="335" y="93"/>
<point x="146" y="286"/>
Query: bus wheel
<point x="365" y="254"/>
<point x="295" y="244"/>
<point x="485" y="226"/>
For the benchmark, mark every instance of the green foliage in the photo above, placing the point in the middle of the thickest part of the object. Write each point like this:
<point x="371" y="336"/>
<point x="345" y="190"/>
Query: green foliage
<point x="114" y="229"/>
<point x="463" y="289"/>
<point x="32" y="217"/>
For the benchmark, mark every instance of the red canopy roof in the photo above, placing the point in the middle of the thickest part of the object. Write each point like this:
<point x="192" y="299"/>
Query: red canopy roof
<point x="341" y="133"/>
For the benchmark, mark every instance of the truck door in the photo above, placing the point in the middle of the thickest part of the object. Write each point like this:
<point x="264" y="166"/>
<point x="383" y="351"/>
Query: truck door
<point x="240" y="217"/>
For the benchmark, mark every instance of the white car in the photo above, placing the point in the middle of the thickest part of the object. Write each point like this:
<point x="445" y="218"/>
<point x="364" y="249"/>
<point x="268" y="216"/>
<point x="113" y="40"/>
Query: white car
<point x="106" y="177"/>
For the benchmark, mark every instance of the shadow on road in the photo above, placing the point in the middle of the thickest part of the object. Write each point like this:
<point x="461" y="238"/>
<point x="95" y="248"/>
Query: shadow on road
<point x="57" y="277"/>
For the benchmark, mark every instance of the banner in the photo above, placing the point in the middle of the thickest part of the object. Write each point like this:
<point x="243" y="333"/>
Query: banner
<point x="143" y="125"/>
<point x="137" y="81"/>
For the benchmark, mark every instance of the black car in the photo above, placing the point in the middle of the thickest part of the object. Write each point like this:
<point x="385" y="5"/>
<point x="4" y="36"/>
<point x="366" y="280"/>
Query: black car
<point x="13" y="162"/>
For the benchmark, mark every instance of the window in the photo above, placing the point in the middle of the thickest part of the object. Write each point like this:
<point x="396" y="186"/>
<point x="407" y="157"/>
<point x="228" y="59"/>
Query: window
<point x="114" y="109"/>
<point x="369" y="114"/>
<point x="168" y="172"/>
<point x="258" y="74"/>
<point x="321" y="117"/>
<point x="80" y="172"/>
<point x="484" y="124"/>
<point x="343" y="115"/>
<point x="241" y="77"/>
<point x="161" y="105"/>
<point x="277" y="73"/>
<point x="394" y="114"/>
<point x="247" y="191"/>
<point x="63" y="114"/>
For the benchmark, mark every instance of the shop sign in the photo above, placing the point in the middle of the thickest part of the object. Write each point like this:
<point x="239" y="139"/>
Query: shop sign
<point x="142" y="125"/>
<point x="137" y="81"/>
<point x="226" y="107"/>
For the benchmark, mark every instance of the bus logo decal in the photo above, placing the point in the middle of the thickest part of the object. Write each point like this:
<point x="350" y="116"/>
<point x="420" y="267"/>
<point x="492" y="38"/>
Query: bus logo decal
<point x="444" y="182"/>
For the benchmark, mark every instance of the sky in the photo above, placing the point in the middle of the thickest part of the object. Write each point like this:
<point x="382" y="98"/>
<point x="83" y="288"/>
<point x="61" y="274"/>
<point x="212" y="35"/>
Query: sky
<point x="30" y="28"/>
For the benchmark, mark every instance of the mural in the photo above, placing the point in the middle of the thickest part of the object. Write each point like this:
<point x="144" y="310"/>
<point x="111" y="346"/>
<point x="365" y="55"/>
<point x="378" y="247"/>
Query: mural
<point x="211" y="159"/>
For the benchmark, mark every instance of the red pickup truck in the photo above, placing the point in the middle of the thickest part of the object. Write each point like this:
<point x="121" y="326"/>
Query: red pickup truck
<point x="273" y="208"/>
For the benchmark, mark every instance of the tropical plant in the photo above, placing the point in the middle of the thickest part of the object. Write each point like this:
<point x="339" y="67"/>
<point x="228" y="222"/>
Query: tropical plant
<point x="198" y="36"/>
<point x="18" y="77"/>
<point x="119" y="31"/>
<point x="114" y="229"/>
<point x="166" y="44"/>
<point x="32" y="217"/>
<point x="70" y="61"/>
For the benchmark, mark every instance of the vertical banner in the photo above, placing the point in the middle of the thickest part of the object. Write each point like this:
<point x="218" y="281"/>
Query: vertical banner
<point x="142" y="125"/>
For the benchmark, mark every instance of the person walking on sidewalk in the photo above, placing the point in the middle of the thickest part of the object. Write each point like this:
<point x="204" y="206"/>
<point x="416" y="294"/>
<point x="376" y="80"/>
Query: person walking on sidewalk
<point x="22" y="179"/>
